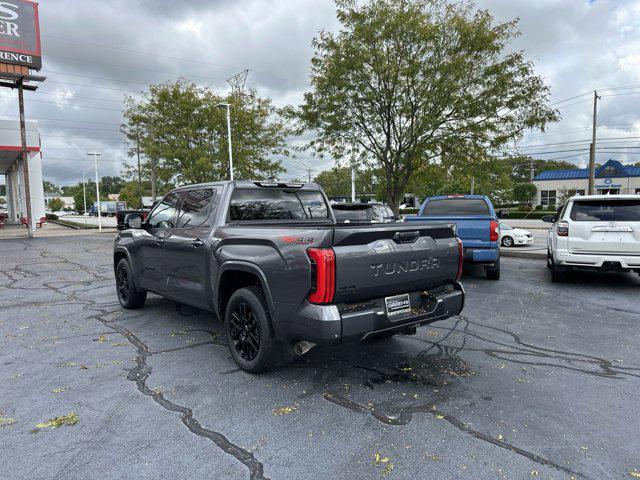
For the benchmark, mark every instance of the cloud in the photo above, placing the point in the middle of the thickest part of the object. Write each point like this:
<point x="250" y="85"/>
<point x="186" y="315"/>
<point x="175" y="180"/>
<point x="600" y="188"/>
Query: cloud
<point x="96" y="52"/>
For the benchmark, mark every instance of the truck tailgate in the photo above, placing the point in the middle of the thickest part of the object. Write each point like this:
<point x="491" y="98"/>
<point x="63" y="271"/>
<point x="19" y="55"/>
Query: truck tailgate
<point x="380" y="260"/>
<point x="474" y="230"/>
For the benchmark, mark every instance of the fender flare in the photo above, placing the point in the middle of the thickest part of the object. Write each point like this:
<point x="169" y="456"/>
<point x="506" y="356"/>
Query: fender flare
<point x="121" y="249"/>
<point x="248" y="267"/>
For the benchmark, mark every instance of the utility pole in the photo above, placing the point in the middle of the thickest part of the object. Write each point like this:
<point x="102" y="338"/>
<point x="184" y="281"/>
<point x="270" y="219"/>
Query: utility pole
<point x="84" y="195"/>
<point x="473" y="185"/>
<point x="25" y="157"/>
<point x="531" y="169"/>
<point x="309" y="170"/>
<point x="95" y="156"/>
<point x="592" y="150"/>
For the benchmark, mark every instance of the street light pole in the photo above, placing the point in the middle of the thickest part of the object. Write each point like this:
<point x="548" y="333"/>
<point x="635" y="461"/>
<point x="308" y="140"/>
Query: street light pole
<point x="228" y="107"/>
<point x="95" y="156"/>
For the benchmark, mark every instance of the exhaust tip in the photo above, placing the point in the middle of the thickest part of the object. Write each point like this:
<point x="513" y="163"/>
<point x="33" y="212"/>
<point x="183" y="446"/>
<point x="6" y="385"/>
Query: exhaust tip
<point x="302" y="347"/>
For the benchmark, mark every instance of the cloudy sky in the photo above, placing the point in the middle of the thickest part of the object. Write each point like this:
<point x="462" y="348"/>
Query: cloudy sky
<point x="95" y="52"/>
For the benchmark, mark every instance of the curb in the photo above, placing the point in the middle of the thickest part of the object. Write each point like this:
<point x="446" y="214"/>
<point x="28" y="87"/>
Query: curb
<point x="532" y="254"/>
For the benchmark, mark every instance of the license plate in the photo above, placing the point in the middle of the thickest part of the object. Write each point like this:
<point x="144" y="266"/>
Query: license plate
<point x="398" y="304"/>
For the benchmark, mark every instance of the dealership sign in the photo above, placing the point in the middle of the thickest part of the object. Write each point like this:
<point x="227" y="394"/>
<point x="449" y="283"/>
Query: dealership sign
<point x="20" y="33"/>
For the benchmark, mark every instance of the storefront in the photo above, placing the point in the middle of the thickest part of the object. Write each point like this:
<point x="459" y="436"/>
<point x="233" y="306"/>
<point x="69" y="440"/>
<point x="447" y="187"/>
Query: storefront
<point x="611" y="178"/>
<point x="11" y="165"/>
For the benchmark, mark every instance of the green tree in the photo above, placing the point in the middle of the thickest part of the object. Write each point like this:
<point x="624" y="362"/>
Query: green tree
<point x="50" y="187"/>
<point x="55" y="204"/>
<point x="521" y="167"/>
<point x="182" y="132"/>
<point x="109" y="185"/>
<point x="405" y="82"/>
<point x="131" y="193"/>
<point x="336" y="182"/>
<point x="524" y="192"/>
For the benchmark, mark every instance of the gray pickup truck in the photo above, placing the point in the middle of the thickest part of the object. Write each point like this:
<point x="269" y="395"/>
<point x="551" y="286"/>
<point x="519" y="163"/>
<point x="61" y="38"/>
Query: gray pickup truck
<point x="270" y="260"/>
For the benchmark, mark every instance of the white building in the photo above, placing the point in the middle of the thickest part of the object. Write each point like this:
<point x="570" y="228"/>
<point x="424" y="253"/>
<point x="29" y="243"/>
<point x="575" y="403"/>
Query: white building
<point x="611" y="178"/>
<point x="11" y="166"/>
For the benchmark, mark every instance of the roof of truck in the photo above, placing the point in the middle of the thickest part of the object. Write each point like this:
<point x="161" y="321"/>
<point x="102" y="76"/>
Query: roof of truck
<point x="254" y="184"/>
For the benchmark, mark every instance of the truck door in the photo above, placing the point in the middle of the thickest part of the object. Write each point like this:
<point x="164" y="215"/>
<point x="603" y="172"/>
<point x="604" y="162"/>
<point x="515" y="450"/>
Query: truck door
<point x="185" y="247"/>
<point x="150" y="259"/>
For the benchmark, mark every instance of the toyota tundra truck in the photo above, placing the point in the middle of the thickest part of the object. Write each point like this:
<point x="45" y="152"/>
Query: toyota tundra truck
<point x="270" y="260"/>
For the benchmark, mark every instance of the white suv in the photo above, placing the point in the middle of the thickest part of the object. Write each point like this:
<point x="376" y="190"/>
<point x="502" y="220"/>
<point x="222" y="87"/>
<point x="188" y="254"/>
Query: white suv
<point x="595" y="232"/>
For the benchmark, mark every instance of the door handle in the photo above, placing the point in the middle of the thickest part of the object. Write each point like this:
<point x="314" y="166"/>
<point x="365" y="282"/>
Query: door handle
<point x="197" y="243"/>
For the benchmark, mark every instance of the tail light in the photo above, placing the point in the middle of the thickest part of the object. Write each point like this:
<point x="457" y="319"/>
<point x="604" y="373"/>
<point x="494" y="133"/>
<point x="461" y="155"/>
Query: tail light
<point x="562" y="229"/>
<point x="460" y="259"/>
<point x="323" y="275"/>
<point x="495" y="231"/>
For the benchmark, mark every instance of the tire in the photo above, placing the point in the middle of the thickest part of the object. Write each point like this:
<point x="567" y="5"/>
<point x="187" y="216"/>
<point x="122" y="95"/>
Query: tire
<point x="128" y="296"/>
<point x="493" y="272"/>
<point x="248" y="329"/>
<point x="557" y="275"/>
<point x="507" y="241"/>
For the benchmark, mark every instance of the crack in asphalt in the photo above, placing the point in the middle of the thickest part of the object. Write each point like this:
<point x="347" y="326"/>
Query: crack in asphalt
<point x="141" y="372"/>
<point x="389" y="412"/>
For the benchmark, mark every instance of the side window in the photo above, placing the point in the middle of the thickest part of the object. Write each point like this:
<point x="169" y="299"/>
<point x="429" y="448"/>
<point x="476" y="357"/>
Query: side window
<point x="195" y="208"/>
<point x="385" y="213"/>
<point x="163" y="213"/>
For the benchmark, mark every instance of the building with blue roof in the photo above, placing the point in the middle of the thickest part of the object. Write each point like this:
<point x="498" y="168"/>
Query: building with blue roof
<point x="611" y="178"/>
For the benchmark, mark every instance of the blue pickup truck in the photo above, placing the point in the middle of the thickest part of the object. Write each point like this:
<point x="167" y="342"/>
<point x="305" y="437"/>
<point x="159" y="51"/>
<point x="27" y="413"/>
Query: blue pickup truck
<point x="477" y="224"/>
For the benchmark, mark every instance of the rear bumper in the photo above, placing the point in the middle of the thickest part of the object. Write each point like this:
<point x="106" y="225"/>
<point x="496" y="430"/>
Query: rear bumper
<point x="566" y="259"/>
<point x="480" y="255"/>
<point x="331" y="324"/>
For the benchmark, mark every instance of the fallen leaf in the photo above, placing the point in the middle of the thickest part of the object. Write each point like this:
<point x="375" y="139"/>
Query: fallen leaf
<point x="6" y="421"/>
<point x="69" y="419"/>
<point x="102" y="339"/>
<point x="534" y="473"/>
<point x="634" y="474"/>
<point x="122" y="344"/>
<point x="378" y="459"/>
<point x="439" y="416"/>
<point x="284" y="410"/>
<point x="406" y="369"/>
<point x="387" y="469"/>
<point x="500" y="437"/>
<point x="60" y="389"/>
<point x="433" y="458"/>
<point x="67" y="364"/>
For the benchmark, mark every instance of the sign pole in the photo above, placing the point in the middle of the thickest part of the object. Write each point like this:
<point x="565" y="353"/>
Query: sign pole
<point x="25" y="157"/>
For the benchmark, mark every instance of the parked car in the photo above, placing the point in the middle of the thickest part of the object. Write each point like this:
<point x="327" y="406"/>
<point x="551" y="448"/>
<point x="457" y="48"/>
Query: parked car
<point x="597" y="232"/>
<point x="477" y="226"/>
<point x="270" y="260"/>
<point x="363" y="212"/>
<point x="108" y="208"/>
<point x="510" y="236"/>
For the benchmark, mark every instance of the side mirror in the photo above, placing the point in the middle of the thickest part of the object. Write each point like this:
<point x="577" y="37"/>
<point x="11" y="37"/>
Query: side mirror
<point x="133" y="221"/>
<point x="549" y="219"/>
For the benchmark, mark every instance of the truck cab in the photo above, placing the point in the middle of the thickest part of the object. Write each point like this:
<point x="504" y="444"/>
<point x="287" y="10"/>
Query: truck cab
<point x="477" y="226"/>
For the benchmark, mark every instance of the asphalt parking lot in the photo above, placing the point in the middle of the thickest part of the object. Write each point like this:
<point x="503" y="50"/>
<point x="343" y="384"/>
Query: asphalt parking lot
<point x="534" y="380"/>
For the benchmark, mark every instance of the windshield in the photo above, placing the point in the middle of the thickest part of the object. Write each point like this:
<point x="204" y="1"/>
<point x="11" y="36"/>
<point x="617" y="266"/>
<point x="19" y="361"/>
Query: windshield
<point x="277" y="204"/>
<point x="606" y="211"/>
<point x="504" y="226"/>
<point x="456" y="206"/>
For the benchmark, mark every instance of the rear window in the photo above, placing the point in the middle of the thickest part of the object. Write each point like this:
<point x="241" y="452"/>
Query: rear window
<point x="606" y="211"/>
<point x="352" y="214"/>
<point x="277" y="204"/>
<point x="457" y="206"/>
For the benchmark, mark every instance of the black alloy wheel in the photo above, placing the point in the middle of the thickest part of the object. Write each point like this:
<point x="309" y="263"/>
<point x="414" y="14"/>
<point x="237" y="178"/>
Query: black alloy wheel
<point x="128" y="295"/>
<point x="122" y="283"/>
<point x="245" y="332"/>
